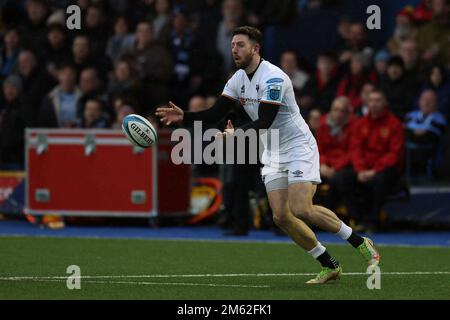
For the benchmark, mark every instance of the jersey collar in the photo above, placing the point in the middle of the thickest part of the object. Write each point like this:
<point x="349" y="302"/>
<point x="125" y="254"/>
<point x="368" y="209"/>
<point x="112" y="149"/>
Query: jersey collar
<point x="250" y="76"/>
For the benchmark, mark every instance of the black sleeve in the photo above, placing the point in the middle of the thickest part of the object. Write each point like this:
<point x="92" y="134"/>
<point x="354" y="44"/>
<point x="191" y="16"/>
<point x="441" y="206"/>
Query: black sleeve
<point x="266" y="115"/>
<point x="213" y="114"/>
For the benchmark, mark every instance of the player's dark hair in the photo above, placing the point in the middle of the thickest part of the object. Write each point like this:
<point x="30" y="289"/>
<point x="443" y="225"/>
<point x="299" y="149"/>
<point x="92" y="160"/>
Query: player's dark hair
<point x="252" y="33"/>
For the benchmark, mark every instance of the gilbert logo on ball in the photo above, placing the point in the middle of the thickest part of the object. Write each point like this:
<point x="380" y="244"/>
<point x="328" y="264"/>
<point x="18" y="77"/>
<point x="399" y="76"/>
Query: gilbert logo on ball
<point x="139" y="131"/>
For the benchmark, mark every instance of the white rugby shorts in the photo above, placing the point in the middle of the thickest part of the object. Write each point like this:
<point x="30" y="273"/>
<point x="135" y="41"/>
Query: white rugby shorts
<point x="304" y="166"/>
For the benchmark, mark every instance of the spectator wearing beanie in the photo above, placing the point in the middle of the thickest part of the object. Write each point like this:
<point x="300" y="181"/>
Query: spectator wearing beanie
<point x="399" y="89"/>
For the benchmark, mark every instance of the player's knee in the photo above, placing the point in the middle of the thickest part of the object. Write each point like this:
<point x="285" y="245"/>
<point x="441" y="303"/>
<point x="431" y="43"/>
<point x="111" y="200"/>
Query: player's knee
<point x="281" y="217"/>
<point x="302" y="211"/>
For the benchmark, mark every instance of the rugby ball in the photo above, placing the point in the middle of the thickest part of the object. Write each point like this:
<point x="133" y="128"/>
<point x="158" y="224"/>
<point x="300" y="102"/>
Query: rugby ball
<point x="139" y="131"/>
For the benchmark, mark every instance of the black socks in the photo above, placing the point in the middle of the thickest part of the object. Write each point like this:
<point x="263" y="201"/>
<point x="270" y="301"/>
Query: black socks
<point x="327" y="261"/>
<point x="355" y="240"/>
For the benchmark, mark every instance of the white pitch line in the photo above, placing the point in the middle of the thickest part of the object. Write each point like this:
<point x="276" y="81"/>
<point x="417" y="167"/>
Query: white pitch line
<point x="211" y="275"/>
<point x="63" y="278"/>
<point x="183" y="284"/>
<point x="400" y="273"/>
<point x="156" y="283"/>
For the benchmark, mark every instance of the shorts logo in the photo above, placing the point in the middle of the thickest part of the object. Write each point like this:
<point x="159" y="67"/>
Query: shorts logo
<point x="297" y="173"/>
<point x="274" y="92"/>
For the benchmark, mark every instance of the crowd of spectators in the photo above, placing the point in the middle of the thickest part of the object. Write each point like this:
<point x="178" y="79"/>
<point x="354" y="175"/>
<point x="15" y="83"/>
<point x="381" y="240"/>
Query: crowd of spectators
<point x="381" y="116"/>
<point x="364" y="104"/>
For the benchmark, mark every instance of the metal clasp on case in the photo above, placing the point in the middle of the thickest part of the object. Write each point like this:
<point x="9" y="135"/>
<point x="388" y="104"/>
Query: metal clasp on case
<point x="89" y="145"/>
<point x="138" y="197"/>
<point x="42" y="195"/>
<point x="42" y="143"/>
<point x="138" y="150"/>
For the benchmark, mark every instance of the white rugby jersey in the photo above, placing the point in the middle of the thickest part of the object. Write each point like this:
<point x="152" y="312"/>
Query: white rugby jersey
<point x="271" y="85"/>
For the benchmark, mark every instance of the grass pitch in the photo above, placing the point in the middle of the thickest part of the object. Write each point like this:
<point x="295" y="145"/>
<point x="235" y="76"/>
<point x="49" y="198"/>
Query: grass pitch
<point x="35" y="268"/>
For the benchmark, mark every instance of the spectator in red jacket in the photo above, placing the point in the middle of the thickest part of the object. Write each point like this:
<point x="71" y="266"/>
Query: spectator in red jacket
<point x="320" y="90"/>
<point x="333" y="138"/>
<point x="314" y="120"/>
<point x="351" y="85"/>
<point x="376" y="154"/>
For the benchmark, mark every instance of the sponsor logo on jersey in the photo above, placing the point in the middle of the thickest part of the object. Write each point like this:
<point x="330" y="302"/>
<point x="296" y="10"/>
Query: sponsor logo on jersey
<point x="244" y="100"/>
<point x="275" y="80"/>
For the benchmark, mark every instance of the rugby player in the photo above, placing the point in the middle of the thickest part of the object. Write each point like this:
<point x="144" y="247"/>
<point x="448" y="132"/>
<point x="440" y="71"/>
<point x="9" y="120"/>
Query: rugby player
<point x="292" y="171"/>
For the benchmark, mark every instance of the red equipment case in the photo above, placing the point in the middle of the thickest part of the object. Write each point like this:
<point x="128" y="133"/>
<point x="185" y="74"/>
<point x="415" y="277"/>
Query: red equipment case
<point x="83" y="172"/>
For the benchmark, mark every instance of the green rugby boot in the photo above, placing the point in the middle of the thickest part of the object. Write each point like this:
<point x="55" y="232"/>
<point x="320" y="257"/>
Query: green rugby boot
<point x="326" y="275"/>
<point x="368" y="251"/>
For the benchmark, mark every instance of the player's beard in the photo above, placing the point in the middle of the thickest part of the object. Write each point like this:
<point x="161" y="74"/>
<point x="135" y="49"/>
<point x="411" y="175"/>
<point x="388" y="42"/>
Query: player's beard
<point x="246" y="61"/>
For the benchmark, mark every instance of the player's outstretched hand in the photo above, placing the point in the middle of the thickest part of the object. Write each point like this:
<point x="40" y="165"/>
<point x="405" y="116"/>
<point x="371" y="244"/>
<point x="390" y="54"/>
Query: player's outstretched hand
<point x="171" y="114"/>
<point x="229" y="130"/>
